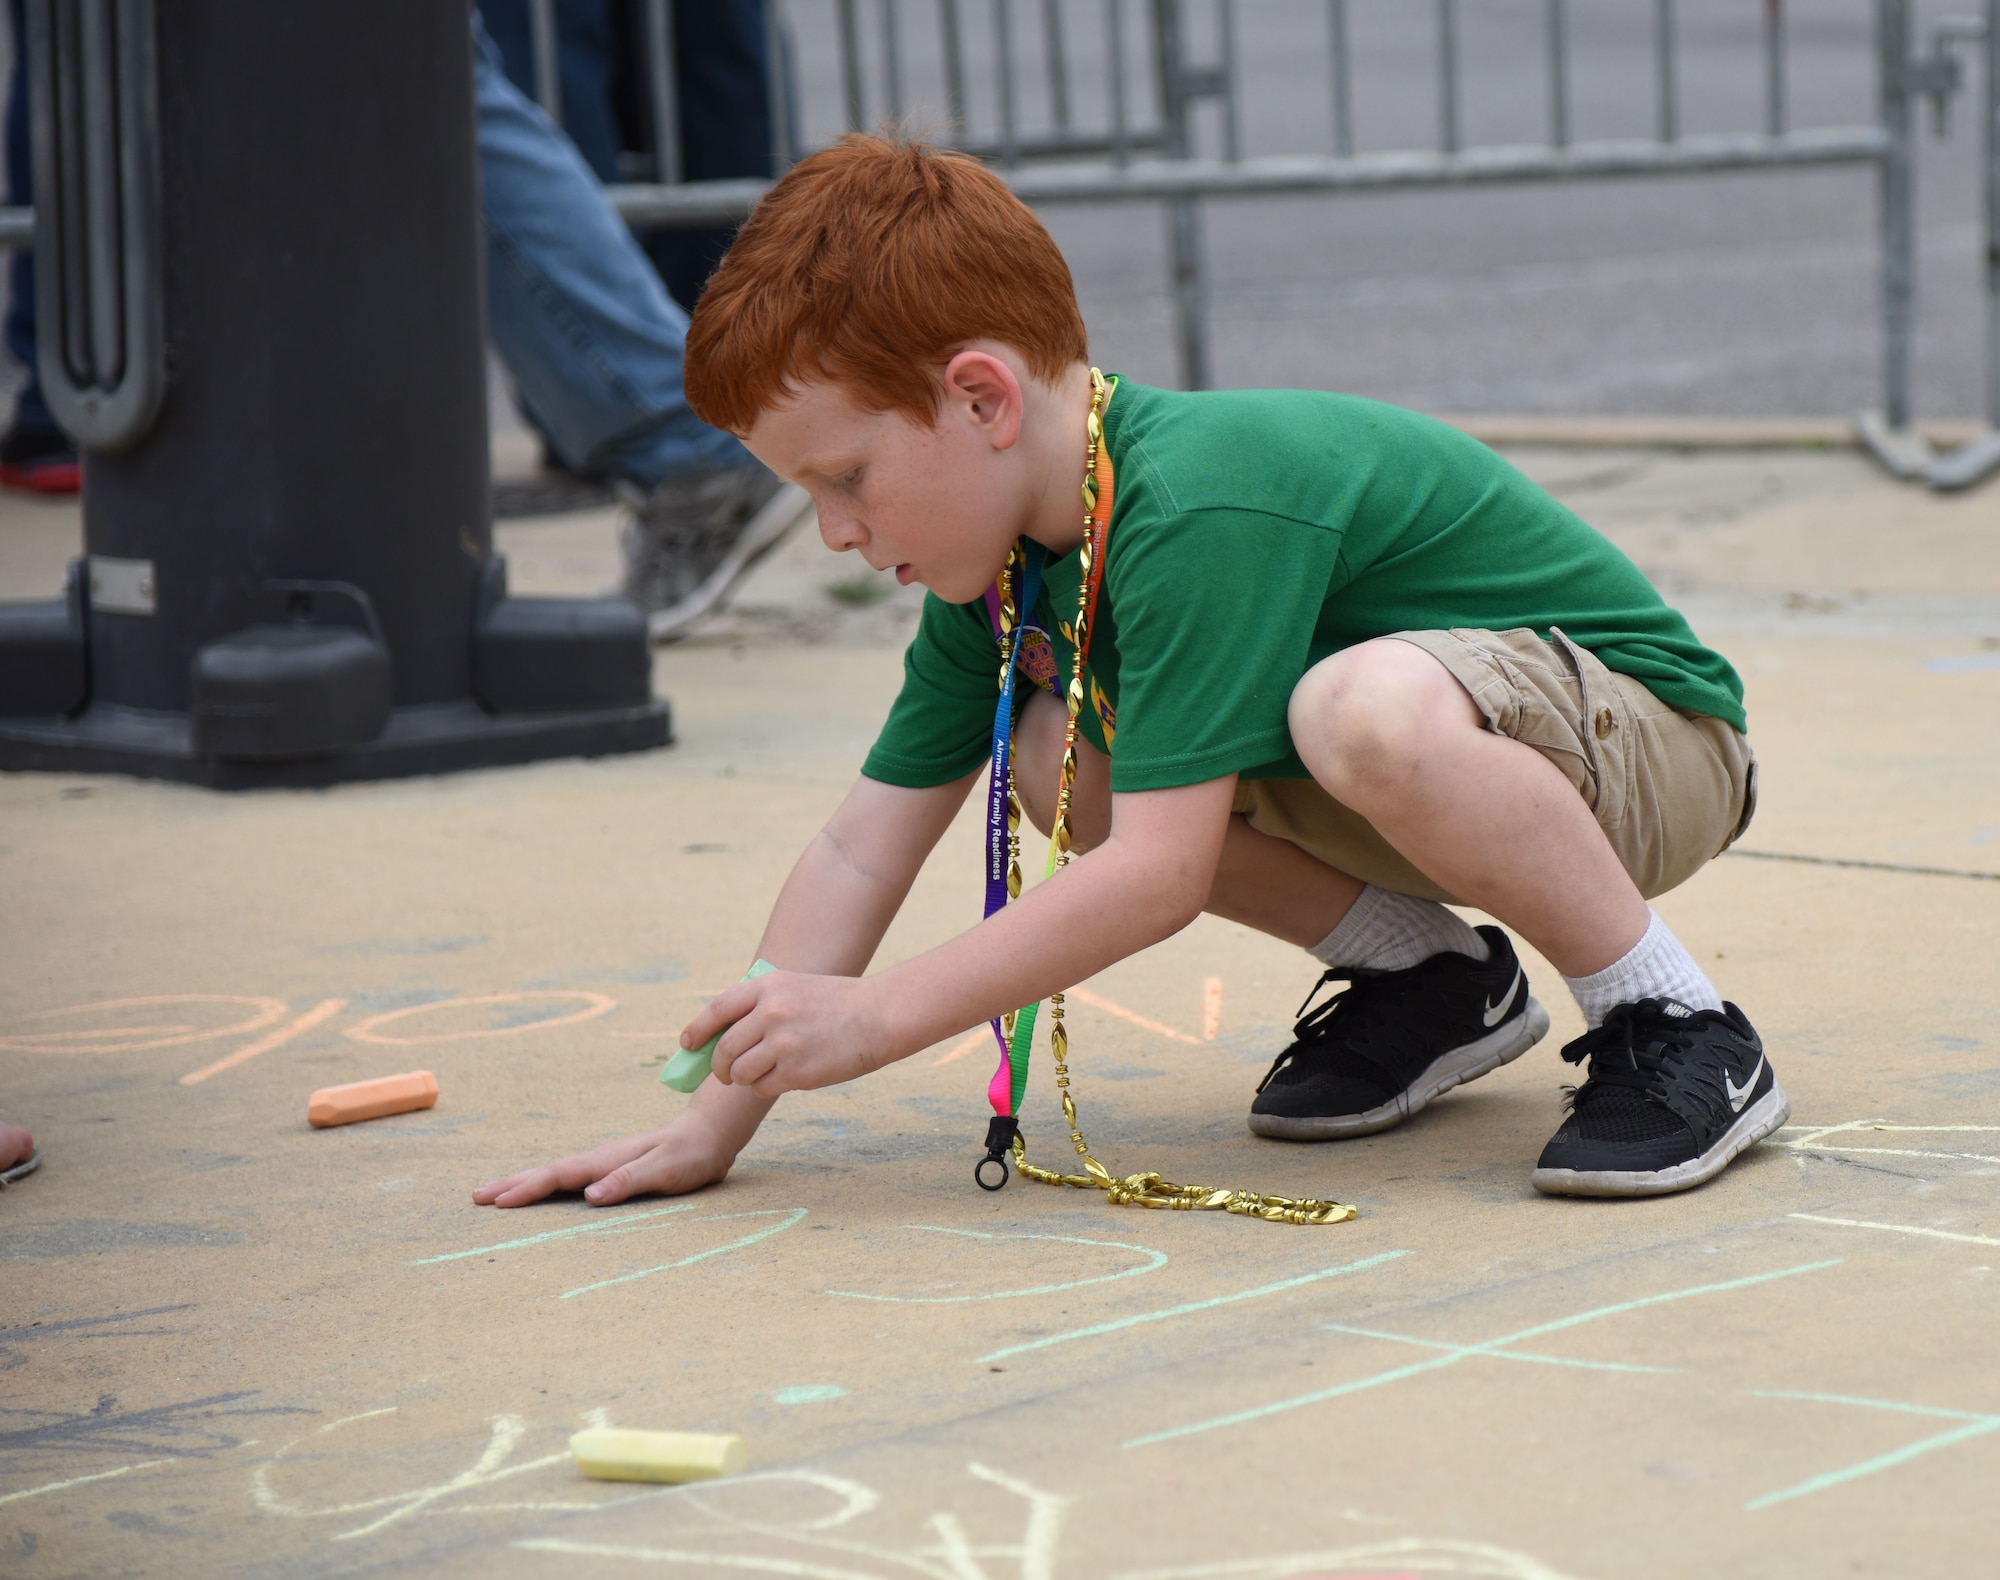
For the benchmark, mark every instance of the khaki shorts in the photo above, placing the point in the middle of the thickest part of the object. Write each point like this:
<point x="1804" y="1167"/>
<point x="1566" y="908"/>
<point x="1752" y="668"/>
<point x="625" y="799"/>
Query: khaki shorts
<point x="1671" y="790"/>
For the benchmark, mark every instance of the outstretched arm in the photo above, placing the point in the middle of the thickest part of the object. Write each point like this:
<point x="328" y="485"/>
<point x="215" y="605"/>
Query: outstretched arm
<point x="1145" y="882"/>
<point x="828" y="921"/>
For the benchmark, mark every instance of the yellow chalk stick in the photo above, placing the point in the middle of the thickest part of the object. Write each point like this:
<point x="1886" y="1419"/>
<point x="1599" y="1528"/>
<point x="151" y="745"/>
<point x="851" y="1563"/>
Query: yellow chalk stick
<point x="391" y="1094"/>
<point x="612" y="1454"/>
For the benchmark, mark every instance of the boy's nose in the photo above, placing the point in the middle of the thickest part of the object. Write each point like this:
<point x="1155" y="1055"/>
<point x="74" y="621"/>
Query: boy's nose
<point x="839" y="531"/>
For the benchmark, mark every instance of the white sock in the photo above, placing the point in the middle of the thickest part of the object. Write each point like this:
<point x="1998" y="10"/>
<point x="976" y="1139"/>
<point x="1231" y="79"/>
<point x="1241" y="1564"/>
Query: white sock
<point x="1657" y="966"/>
<point x="1387" y="931"/>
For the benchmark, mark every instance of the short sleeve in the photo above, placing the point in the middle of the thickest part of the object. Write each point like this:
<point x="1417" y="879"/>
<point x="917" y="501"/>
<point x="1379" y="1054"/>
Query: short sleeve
<point x="1215" y="611"/>
<point x="941" y="725"/>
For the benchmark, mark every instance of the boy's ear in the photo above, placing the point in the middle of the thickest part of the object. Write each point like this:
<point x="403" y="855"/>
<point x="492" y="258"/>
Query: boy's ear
<point x="980" y="388"/>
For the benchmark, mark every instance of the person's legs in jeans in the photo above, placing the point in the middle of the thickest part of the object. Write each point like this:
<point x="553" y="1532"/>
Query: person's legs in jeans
<point x="595" y="347"/>
<point x="575" y="311"/>
<point x="34" y="453"/>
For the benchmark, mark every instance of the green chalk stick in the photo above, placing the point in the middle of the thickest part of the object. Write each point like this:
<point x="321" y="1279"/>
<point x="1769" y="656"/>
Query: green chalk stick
<point x="688" y="1068"/>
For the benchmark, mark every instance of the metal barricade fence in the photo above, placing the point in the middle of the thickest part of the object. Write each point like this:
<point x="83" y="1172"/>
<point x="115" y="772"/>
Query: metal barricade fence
<point x="1160" y="64"/>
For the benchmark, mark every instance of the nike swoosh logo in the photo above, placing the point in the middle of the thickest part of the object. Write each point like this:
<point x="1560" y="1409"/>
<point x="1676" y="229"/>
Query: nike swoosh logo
<point x="1739" y="1095"/>
<point x="1492" y="1013"/>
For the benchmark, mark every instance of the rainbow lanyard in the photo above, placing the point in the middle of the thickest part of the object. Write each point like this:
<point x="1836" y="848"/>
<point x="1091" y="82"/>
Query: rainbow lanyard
<point x="1010" y="1079"/>
<point x="1006" y="1091"/>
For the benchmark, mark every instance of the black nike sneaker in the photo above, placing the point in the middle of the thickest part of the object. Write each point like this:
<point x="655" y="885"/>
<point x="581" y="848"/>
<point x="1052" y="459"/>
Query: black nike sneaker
<point x="1371" y="1056"/>
<point x="1672" y="1095"/>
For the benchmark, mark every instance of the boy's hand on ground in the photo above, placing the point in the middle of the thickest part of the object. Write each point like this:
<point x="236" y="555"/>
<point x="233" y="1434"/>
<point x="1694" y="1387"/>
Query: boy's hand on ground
<point x="790" y="1032"/>
<point x="16" y="1146"/>
<point x="671" y="1161"/>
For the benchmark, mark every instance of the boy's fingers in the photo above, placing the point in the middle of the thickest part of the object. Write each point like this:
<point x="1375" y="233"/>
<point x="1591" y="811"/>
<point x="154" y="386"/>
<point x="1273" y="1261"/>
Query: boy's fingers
<point x="571" y="1173"/>
<point x="727" y="1007"/>
<point x="754" y="1065"/>
<point x="486" y="1195"/>
<point x="610" y="1190"/>
<point x="657" y="1170"/>
<point x="520" y="1191"/>
<point x="737" y="1041"/>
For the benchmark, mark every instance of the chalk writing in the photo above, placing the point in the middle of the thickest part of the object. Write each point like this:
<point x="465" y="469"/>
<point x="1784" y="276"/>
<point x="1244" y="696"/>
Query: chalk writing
<point x="1083" y="995"/>
<point x="628" y="1223"/>
<point x="789" y="1215"/>
<point x="809" y="1393"/>
<point x="111" y="1327"/>
<point x="80" y="1481"/>
<point x="375" y="1028"/>
<point x="1972" y="1424"/>
<point x="320" y="1013"/>
<point x="1455" y="1354"/>
<point x="1118" y="1324"/>
<point x="810" y="1546"/>
<point x="1899" y="1228"/>
<point x="182" y="1430"/>
<point x="608" y="1224"/>
<point x="1154" y="1261"/>
<point x="139" y="1038"/>
<point x="1430" y="1556"/>
<point x="504" y="1436"/>
<point x="1814" y="1140"/>
<point x="949" y="1554"/>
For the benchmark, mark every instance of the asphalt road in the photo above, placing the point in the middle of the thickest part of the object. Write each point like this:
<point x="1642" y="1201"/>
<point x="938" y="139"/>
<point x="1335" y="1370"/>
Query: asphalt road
<point x="1745" y="294"/>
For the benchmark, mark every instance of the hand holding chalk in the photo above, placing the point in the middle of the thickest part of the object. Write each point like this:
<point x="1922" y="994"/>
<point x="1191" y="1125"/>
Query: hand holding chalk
<point x="689" y="1067"/>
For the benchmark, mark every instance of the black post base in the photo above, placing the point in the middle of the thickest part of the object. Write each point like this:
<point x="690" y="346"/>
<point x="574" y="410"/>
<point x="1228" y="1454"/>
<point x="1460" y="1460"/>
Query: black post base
<point x="442" y="738"/>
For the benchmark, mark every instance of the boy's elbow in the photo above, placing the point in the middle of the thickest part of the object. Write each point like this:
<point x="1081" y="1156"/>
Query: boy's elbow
<point x="1177" y="903"/>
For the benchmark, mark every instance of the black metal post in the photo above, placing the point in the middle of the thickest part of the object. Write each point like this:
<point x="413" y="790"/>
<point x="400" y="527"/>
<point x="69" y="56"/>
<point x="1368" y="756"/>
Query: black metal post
<point x="290" y="569"/>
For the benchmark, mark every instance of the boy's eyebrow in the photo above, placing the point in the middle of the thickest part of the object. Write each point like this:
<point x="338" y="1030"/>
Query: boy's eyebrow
<point x="833" y="465"/>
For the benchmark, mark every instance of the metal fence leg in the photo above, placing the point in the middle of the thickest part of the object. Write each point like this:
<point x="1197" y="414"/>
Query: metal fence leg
<point x="1887" y="433"/>
<point x="663" y="91"/>
<point x="1990" y="150"/>
<point x="548" y="57"/>
<point x="1190" y="292"/>
<point x="1183" y="218"/>
<point x="1972" y="463"/>
<point x="778" y="86"/>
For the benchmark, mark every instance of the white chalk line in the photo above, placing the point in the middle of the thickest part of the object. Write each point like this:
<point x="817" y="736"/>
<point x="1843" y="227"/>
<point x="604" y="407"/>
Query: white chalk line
<point x="678" y="1555"/>
<point x="1432" y="1555"/>
<point x="491" y="1466"/>
<point x="1813" y="1141"/>
<point x="1899" y="1228"/>
<point x="955" y="1556"/>
<point x="81" y="1481"/>
<point x="1155" y="1261"/>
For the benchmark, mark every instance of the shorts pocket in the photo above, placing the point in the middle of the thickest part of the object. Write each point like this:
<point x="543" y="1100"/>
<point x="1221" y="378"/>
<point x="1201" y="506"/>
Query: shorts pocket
<point x="1605" y="728"/>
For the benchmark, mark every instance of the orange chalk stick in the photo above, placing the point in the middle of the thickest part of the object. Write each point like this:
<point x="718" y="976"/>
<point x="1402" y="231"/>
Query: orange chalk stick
<point x="391" y="1094"/>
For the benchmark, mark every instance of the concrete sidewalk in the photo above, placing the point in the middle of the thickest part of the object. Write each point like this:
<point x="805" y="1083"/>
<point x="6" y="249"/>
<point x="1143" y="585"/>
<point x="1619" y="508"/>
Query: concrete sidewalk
<point x="231" y="1344"/>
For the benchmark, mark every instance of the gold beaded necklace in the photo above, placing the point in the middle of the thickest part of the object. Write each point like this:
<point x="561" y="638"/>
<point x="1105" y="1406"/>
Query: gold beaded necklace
<point x="1016" y="1031"/>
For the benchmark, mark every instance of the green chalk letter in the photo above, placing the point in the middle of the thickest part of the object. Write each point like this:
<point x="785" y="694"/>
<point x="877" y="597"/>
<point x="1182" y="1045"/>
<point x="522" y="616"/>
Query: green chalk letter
<point x="688" y="1068"/>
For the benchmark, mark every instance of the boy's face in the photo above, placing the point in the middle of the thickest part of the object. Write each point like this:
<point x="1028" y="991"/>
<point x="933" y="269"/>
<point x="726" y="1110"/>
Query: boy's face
<point x="939" y="505"/>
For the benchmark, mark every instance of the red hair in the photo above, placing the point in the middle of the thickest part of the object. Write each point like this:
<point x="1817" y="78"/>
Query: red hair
<point x="869" y="266"/>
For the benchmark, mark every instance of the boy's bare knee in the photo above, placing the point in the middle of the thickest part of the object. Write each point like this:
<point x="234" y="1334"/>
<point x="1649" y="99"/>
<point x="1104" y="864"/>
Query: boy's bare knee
<point x="1038" y="746"/>
<point x="1366" y="719"/>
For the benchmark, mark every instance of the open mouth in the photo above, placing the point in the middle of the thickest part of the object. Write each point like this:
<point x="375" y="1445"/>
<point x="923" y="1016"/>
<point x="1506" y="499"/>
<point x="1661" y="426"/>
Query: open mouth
<point x="906" y="573"/>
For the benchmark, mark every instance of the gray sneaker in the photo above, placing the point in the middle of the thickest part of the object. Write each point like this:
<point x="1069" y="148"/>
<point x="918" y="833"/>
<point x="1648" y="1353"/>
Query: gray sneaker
<point x="692" y="539"/>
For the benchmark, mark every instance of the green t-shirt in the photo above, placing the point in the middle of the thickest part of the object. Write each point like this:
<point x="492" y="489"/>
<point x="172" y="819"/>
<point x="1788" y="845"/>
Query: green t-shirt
<point x="1253" y="533"/>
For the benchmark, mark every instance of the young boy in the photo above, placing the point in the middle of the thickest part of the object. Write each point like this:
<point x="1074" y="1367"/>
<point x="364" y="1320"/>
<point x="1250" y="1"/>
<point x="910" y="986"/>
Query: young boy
<point x="1346" y="664"/>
